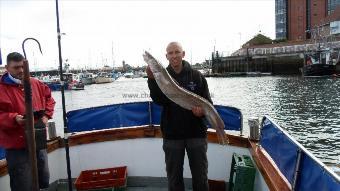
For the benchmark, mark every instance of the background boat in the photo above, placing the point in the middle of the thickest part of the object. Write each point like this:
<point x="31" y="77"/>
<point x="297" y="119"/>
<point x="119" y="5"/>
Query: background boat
<point x="71" y="82"/>
<point x="322" y="62"/>
<point x="86" y="78"/>
<point x="103" y="77"/>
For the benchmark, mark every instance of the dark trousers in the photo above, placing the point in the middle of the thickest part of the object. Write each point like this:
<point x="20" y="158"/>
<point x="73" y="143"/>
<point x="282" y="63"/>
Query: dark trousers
<point x="174" y="158"/>
<point x="19" y="169"/>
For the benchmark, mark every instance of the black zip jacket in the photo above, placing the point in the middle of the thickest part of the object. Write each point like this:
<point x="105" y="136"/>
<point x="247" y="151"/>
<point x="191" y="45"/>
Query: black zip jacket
<point x="177" y="122"/>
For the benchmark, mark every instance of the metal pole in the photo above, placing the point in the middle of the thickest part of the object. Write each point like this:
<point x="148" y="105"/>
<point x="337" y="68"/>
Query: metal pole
<point x="241" y="128"/>
<point x="29" y="126"/>
<point x="150" y="114"/>
<point x="68" y="163"/>
<point x="114" y="76"/>
<point x="297" y="169"/>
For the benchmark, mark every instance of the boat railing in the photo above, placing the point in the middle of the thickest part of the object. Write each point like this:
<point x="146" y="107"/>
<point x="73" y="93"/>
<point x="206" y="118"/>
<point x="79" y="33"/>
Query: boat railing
<point x="301" y="168"/>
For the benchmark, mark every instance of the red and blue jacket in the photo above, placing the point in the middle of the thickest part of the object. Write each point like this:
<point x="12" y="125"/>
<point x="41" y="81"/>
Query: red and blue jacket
<point x="12" y="103"/>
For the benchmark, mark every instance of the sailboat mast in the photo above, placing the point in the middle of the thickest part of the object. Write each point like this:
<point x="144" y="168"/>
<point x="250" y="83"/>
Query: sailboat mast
<point x="113" y="60"/>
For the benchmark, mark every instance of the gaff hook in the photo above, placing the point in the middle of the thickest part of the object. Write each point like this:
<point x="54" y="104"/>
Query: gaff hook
<point x="29" y="127"/>
<point x="23" y="45"/>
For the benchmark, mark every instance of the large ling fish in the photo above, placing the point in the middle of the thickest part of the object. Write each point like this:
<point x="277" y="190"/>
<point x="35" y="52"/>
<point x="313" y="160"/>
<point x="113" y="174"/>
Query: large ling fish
<point x="185" y="98"/>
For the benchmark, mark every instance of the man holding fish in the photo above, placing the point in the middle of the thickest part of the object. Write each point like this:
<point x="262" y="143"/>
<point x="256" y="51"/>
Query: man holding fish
<point x="183" y="129"/>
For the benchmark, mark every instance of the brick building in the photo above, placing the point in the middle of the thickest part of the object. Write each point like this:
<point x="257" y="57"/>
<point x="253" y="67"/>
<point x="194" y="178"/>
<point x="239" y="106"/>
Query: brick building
<point x="297" y="19"/>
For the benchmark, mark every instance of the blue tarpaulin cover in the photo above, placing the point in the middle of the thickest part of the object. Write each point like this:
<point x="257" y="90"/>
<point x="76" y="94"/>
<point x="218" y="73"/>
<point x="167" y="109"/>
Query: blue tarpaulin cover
<point x="110" y="116"/>
<point x="2" y="153"/>
<point x="156" y="113"/>
<point x="134" y="114"/>
<point x="314" y="177"/>
<point x="283" y="150"/>
<point x="231" y="116"/>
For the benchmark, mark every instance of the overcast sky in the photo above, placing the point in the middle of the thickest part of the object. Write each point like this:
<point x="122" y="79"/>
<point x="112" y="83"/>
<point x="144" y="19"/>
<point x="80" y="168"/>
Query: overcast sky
<point x="95" y="28"/>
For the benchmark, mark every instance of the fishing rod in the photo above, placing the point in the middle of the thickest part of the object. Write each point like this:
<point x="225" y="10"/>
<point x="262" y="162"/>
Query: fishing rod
<point x="29" y="126"/>
<point x="66" y="134"/>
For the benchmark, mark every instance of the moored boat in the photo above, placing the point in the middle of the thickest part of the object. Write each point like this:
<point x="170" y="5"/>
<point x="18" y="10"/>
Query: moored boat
<point x="103" y="77"/>
<point x="128" y="75"/>
<point x="53" y="83"/>
<point x="86" y="78"/>
<point x="73" y="81"/>
<point x="322" y="62"/>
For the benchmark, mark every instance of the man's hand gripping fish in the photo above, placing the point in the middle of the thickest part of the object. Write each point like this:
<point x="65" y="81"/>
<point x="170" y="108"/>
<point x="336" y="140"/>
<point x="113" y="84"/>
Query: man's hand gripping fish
<point x="185" y="98"/>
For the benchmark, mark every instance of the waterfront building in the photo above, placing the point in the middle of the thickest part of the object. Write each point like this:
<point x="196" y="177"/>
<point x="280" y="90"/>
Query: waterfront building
<point x="301" y="19"/>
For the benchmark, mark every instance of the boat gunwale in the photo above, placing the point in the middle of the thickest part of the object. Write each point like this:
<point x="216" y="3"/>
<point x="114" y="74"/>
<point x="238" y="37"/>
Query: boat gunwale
<point x="142" y="132"/>
<point x="269" y="170"/>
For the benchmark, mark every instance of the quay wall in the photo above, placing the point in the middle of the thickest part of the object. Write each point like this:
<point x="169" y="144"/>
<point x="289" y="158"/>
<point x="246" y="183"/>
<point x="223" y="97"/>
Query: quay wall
<point x="277" y="65"/>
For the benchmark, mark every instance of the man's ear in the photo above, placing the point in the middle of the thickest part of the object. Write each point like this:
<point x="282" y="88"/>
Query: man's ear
<point x="183" y="53"/>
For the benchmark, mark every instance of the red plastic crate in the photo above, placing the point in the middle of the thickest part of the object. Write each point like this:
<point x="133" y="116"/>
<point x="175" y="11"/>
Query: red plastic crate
<point x="102" y="178"/>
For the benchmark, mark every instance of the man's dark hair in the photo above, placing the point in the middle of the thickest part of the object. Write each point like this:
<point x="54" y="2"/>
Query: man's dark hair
<point x="14" y="56"/>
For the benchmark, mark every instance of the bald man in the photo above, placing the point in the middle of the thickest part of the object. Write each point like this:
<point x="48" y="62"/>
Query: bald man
<point x="182" y="129"/>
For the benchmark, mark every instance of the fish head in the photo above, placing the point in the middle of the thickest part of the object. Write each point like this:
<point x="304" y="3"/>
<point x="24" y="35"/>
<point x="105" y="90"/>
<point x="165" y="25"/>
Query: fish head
<point x="155" y="66"/>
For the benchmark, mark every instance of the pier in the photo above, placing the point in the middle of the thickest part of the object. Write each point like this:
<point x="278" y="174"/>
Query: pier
<point x="274" y="59"/>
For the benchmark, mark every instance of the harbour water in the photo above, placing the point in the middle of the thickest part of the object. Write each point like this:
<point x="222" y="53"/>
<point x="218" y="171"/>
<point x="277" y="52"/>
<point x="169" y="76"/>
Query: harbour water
<point x="308" y="108"/>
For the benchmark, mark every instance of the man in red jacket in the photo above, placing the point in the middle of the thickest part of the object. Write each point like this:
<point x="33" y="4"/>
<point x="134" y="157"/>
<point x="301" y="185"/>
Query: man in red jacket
<point x="12" y="130"/>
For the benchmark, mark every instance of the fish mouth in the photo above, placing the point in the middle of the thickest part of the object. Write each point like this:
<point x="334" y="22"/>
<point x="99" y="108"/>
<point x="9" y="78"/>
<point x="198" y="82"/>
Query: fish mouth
<point x="152" y="62"/>
<point x="147" y="56"/>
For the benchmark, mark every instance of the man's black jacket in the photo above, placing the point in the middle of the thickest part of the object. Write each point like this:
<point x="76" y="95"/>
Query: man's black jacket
<point x="177" y="122"/>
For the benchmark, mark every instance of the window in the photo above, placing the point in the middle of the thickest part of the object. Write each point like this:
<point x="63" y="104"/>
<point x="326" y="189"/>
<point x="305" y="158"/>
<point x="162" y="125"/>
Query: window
<point x="332" y="4"/>
<point x="281" y="18"/>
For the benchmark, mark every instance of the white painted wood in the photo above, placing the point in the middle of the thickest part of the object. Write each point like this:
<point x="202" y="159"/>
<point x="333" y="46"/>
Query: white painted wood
<point x="57" y="164"/>
<point x="219" y="159"/>
<point x="4" y="183"/>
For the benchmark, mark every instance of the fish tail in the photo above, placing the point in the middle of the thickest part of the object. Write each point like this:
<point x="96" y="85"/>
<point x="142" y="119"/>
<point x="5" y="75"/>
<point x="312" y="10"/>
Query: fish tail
<point x="222" y="137"/>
